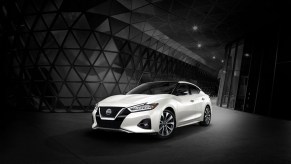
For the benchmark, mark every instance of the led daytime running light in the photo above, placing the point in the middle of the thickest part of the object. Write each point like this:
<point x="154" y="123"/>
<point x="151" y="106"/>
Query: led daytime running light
<point x="142" y="107"/>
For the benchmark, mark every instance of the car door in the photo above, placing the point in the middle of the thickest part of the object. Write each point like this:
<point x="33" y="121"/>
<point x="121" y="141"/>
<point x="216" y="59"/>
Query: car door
<point x="198" y="99"/>
<point x="185" y="106"/>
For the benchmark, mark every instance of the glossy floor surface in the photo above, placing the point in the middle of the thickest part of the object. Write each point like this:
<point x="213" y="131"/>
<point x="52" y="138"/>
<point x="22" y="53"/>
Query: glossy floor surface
<point x="232" y="137"/>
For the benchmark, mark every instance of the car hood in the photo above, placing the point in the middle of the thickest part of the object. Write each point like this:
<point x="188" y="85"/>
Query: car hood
<point x="132" y="99"/>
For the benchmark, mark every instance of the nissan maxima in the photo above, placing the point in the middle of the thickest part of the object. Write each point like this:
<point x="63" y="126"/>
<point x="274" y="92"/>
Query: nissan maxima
<point x="154" y="107"/>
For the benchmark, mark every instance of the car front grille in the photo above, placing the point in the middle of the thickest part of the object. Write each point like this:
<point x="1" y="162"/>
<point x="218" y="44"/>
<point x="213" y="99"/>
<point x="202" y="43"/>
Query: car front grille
<point x="113" y="124"/>
<point x="112" y="114"/>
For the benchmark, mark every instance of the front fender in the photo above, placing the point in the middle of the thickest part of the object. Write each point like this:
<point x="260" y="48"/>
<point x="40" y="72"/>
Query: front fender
<point x="163" y="104"/>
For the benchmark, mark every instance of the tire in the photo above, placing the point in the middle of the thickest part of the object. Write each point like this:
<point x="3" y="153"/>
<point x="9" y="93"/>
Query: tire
<point x="167" y="124"/>
<point x="206" y="117"/>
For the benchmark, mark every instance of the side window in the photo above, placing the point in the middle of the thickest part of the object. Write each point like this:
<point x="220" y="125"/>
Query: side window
<point x="194" y="90"/>
<point x="182" y="90"/>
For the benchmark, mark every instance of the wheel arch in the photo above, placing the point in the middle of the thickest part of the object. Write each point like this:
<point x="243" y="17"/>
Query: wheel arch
<point x="208" y="105"/>
<point x="171" y="109"/>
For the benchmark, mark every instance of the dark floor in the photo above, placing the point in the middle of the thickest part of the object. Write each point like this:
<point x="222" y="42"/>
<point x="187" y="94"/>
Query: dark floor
<point x="233" y="137"/>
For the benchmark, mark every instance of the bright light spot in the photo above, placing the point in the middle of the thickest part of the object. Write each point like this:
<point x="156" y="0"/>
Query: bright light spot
<point x="199" y="45"/>
<point x="247" y="55"/>
<point x="213" y="57"/>
<point x="222" y="61"/>
<point x="195" y="28"/>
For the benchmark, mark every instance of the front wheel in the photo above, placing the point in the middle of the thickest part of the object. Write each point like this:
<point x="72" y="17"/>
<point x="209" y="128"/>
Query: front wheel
<point x="207" y="117"/>
<point x="167" y="124"/>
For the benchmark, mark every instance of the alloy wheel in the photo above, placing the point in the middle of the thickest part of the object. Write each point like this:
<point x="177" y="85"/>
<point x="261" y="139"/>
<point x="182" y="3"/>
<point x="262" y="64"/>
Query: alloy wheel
<point x="167" y="124"/>
<point x="207" y="115"/>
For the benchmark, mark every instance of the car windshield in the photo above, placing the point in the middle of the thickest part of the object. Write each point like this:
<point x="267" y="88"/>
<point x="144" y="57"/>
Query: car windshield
<point x="154" y="88"/>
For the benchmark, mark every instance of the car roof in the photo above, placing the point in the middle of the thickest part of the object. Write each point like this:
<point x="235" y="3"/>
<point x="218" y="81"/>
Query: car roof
<point x="186" y="82"/>
<point x="180" y="82"/>
<point x="162" y="82"/>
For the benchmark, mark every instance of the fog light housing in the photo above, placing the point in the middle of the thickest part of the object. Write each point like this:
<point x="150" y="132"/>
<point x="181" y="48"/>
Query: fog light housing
<point x="145" y="124"/>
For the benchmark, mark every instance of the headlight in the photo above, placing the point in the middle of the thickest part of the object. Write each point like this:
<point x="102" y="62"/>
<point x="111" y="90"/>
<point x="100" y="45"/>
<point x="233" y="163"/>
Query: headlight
<point x="142" y="107"/>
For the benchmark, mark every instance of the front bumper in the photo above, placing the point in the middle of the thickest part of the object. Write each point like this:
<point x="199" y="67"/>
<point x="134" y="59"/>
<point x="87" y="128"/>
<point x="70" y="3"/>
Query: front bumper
<point x="128" y="123"/>
<point x="111" y="129"/>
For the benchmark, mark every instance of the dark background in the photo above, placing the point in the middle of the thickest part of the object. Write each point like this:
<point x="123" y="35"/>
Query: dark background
<point x="60" y="57"/>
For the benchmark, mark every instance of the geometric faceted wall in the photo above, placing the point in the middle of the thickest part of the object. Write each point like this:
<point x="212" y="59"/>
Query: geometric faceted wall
<point x="66" y="58"/>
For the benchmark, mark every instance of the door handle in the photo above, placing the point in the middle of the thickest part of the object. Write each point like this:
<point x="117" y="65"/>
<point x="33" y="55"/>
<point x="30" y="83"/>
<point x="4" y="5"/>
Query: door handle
<point x="191" y="100"/>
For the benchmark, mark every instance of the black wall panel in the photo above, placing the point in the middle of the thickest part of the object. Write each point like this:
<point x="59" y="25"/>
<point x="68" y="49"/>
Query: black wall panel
<point x="267" y="70"/>
<point x="65" y="56"/>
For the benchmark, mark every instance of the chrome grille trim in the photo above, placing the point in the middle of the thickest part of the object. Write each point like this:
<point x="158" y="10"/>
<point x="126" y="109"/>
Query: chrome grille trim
<point x="110" y="118"/>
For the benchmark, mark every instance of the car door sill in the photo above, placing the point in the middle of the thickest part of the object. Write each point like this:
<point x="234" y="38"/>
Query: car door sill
<point x="193" y="122"/>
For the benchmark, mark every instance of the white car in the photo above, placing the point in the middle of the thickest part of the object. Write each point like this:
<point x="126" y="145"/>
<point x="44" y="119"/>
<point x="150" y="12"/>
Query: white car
<point x="154" y="107"/>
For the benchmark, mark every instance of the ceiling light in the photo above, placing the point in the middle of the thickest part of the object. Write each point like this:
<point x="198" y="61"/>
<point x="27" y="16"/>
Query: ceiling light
<point x="222" y="61"/>
<point x="199" y="45"/>
<point x="213" y="57"/>
<point x="195" y="28"/>
<point x="247" y="55"/>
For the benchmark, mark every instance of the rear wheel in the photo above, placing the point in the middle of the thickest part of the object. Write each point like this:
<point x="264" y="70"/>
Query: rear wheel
<point x="207" y="117"/>
<point x="167" y="124"/>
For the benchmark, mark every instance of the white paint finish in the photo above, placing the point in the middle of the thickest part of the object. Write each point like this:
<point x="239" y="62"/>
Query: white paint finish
<point x="188" y="109"/>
